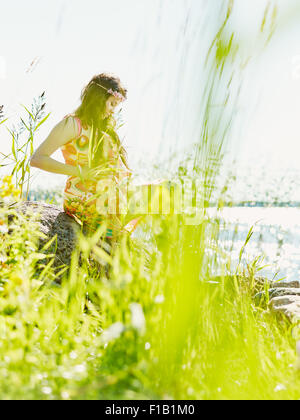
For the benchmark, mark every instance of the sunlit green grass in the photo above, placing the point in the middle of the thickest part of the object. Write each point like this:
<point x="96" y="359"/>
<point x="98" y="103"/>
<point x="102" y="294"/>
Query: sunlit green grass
<point x="157" y="328"/>
<point x="161" y="325"/>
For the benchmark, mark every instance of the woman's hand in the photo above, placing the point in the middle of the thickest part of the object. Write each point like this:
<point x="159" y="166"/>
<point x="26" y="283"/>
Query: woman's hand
<point x="95" y="174"/>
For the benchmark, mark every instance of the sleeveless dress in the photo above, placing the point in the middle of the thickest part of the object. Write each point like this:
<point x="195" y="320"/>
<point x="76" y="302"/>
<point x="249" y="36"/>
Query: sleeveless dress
<point x="80" y="198"/>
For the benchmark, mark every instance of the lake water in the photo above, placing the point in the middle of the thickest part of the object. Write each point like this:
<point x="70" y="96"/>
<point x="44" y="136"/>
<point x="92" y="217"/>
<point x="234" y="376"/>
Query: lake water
<point x="276" y="235"/>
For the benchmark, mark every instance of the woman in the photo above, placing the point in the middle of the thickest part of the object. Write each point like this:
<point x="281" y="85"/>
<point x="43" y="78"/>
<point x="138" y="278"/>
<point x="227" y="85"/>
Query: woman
<point x="93" y="154"/>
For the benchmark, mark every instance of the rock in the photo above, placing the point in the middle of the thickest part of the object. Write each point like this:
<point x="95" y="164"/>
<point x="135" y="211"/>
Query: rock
<point x="284" y="291"/>
<point x="284" y="298"/>
<point x="53" y="221"/>
<point x="286" y="283"/>
<point x="288" y="305"/>
<point x="260" y="298"/>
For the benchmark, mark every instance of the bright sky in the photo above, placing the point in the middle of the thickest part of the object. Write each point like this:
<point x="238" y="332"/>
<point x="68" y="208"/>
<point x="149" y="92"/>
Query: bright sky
<point x="272" y="88"/>
<point x="139" y="40"/>
<point x="142" y="41"/>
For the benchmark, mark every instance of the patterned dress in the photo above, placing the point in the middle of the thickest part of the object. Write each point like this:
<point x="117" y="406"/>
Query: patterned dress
<point x="80" y="198"/>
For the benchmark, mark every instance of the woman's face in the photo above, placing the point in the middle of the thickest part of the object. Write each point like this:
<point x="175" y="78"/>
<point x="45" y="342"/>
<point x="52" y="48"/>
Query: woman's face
<point x="111" y="103"/>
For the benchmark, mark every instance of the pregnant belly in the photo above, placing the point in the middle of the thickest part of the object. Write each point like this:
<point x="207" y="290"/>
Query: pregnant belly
<point x="76" y="187"/>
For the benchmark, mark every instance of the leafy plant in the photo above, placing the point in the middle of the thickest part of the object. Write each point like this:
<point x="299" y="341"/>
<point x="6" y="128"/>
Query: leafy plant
<point x="22" y="136"/>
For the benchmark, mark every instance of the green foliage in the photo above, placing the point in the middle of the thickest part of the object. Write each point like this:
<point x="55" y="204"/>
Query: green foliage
<point x="22" y="136"/>
<point x="160" y="326"/>
<point x="154" y="321"/>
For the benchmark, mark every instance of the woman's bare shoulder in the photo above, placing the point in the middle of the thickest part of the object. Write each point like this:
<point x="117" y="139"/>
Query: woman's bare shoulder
<point x="62" y="133"/>
<point x="72" y="124"/>
<point x="66" y="130"/>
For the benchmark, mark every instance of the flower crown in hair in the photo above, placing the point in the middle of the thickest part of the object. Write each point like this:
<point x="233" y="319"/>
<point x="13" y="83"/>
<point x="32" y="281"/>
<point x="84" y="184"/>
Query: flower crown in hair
<point x="112" y="92"/>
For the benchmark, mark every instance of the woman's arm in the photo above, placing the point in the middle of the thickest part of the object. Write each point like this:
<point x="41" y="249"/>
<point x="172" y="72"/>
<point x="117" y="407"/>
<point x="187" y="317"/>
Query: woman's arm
<point x="61" y="134"/>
